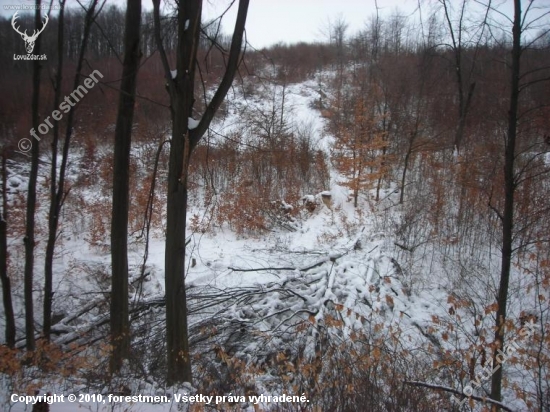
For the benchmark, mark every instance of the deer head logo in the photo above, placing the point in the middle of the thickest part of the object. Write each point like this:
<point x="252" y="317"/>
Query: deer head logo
<point x="29" y="40"/>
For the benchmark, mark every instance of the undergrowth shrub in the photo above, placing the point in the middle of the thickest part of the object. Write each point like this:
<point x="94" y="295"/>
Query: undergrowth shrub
<point x="336" y="370"/>
<point x="49" y="365"/>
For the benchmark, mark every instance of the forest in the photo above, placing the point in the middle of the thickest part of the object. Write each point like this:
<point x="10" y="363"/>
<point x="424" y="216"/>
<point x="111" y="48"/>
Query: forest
<point x="360" y="223"/>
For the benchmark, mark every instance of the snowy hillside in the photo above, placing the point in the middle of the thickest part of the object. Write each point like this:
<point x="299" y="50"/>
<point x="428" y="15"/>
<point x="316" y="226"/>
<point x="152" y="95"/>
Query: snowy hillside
<point x="356" y="224"/>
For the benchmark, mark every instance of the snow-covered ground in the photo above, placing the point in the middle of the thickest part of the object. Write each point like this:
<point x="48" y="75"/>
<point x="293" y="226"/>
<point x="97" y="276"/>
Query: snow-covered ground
<point x="338" y="263"/>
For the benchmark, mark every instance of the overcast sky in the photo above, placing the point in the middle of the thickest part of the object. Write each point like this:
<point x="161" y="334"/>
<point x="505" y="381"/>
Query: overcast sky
<point x="292" y="21"/>
<point x="274" y="21"/>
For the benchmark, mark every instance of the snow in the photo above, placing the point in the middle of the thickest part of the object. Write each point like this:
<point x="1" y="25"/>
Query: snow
<point x="337" y="262"/>
<point x="192" y="123"/>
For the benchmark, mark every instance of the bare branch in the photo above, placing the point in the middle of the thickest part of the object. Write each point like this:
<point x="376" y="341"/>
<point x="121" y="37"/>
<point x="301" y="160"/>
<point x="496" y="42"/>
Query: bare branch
<point x="451" y="390"/>
<point x="158" y="38"/>
<point x="232" y="64"/>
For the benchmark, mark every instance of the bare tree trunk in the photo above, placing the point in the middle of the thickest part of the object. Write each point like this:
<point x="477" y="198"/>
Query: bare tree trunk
<point x="509" y="191"/>
<point x="404" y="174"/>
<point x="379" y="181"/>
<point x="410" y="149"/>
<point x="456" y="45"/>
<point x="415" y="132"/>
<point x="356" y="188"/>
<point x="52" y="217"/>
<point x="184" y="140"/>
<point x="58" y="194"/>
<point x="120" y="324"/>
<point x="31" y="193"/>
<point x="6" y="284"/>
<point x="179" y="362"/>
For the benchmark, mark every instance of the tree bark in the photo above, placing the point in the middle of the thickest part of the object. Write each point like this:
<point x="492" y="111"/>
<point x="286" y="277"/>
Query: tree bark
<point x="6" y="284"/>
<point x="404" y="174"/>
<point x="184" y="140"/>
<point x="120" y="326"/>
<point x="53" y="213"/>
<point x="179" y="363"/>
<point x="57" y="195"/>
<point x="31" y="193"/>
<point x="456" y="45"/>
<point x="509" y="191"/>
